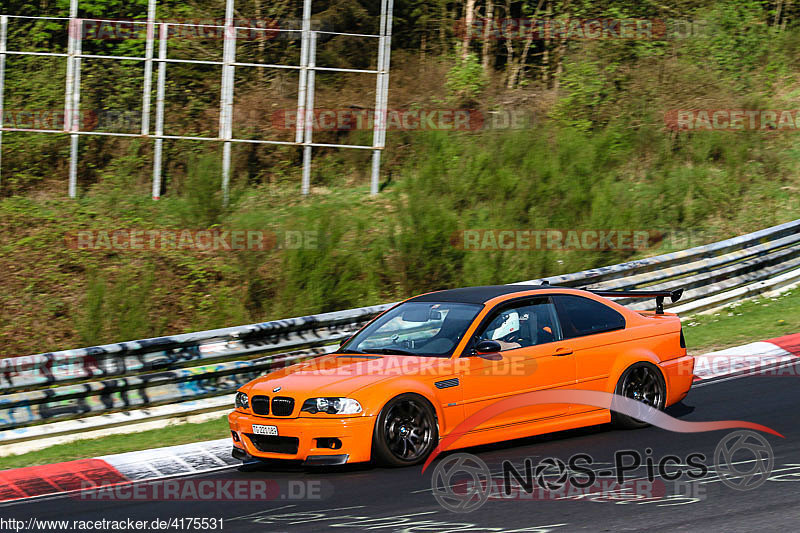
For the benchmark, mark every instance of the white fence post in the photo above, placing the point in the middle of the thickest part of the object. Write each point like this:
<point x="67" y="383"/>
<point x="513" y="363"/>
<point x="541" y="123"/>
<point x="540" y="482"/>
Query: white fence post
<point x="226" y="97"/>
<point x="301" y="82"/>
<point x="381" y="94"/>
<point x="75" y="111"/>
<point x="309" y="114"/>
<point x="163" y="33"/>
<point x="148" y="67"/>
<point x="3" y="37"/>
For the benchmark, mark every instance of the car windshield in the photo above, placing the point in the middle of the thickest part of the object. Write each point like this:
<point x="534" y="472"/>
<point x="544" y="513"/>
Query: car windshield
<point x="416" y="328"/>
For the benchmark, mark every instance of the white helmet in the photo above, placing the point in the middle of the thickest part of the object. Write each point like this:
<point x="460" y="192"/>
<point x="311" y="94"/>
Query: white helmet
<point x="507" y="322"/>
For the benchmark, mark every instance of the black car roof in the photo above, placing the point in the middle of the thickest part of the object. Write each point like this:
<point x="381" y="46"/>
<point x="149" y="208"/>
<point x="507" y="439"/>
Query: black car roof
<point x="477" y="295"/>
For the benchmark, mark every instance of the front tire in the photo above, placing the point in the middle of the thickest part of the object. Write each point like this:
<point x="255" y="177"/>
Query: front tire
<point x="644" y="383"/>
<point x="406" y="431"/>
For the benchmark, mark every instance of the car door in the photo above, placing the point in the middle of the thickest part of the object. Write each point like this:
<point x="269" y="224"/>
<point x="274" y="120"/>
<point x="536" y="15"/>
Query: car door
<point x="533" y="357"/>
<point x="594" y="331"/>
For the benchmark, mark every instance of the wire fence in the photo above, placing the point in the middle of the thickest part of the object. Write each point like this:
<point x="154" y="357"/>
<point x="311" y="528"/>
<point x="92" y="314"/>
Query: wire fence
<point x="157" y="33"/>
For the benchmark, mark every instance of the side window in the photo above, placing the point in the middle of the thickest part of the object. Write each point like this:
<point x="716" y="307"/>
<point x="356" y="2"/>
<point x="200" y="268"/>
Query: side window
<point x="582" y="316"/>
<point x="523" y="324"/>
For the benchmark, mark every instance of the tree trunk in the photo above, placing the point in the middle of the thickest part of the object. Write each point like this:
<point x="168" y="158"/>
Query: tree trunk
<point x="444" y="23"/>
<point x="778" y="13"/>
<point x="523" y="60"/>
<point x="546" y="51"/>
<point x="469" y="14"/>
<point x="261" y="39"/>
<point x="487" y="37"/>
<point x="517" y="65"/>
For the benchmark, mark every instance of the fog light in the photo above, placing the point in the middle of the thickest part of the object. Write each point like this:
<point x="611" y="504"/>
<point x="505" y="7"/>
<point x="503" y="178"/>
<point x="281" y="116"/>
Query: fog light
<point x="235" y="436"/>
<point x="329" y="442"/>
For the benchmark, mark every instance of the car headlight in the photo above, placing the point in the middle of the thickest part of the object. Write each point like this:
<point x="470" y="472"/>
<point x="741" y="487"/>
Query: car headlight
<point x="332" y="406"/>
<point x="241" y="401"/>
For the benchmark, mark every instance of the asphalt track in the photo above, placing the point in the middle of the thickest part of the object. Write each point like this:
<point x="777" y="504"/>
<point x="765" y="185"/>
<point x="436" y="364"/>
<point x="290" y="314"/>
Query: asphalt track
<point x="364" y="498"/>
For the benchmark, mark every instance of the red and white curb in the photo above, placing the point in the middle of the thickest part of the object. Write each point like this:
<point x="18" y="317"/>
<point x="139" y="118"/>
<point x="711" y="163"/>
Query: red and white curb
<point x="149" y="465"/>
<point x="761" y="358"/>
<point x="199" y="457"/>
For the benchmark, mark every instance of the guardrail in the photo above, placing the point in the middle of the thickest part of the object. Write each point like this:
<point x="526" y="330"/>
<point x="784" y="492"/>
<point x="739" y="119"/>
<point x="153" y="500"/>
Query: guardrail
<point x="104" y="379"/>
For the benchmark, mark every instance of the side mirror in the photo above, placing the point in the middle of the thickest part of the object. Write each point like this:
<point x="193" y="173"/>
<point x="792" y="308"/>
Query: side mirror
<point x="487" y="346"/>
<point x="345" y="341"/>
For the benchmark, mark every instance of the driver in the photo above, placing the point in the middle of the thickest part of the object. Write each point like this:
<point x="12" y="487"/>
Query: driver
<point x="505" y="330"/>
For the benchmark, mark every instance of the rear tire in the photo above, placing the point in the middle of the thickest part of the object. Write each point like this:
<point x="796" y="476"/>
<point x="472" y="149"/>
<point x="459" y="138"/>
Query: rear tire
<point x="642" y="382"/>
<point x="406" y="431"/>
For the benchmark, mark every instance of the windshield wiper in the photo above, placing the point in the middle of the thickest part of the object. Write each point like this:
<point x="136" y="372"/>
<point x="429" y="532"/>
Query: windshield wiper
<point x="349" y="351"/>
<point x="393" y="351"/>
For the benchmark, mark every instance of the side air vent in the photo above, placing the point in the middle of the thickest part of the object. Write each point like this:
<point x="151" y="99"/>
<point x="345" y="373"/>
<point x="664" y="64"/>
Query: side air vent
<point x="453" y="382"/>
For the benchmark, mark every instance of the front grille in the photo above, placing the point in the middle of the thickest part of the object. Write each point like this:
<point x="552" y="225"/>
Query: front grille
<point x="271" y="444"/>
<point x="260" y="405"/>
<point x="282" y="406"/>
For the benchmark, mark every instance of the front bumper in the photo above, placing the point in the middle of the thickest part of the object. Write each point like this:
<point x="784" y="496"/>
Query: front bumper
<point x="303" y="439"/>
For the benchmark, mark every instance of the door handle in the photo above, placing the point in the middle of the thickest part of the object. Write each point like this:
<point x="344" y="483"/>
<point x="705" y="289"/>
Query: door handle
<point x="562" y="351"/>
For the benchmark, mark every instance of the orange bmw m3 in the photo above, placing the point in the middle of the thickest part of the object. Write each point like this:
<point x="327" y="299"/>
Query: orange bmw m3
<point x="418" y="371"/>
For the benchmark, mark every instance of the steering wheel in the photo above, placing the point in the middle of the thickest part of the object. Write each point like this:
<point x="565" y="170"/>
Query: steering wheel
<point x="405" y="343"/>
<point x="511" y="337"/>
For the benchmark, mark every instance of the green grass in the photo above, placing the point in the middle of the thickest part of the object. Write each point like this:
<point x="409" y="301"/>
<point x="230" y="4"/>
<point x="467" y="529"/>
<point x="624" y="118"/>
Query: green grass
<point x="743" y="322"/>
<point x="156" y="438"/>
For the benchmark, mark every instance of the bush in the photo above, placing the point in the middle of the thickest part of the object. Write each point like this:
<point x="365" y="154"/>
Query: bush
<point x="201" y="204"/>
<point x="465" y="80"/>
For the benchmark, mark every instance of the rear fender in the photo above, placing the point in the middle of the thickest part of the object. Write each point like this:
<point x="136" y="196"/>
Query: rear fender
<point x="626" y="360"/>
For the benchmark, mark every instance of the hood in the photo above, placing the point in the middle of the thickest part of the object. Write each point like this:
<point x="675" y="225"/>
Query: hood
<point x="343" y="374"/>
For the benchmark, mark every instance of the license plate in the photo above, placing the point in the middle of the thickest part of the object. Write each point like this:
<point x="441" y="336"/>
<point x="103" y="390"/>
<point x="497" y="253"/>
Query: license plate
<point x="265" y="430"/>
